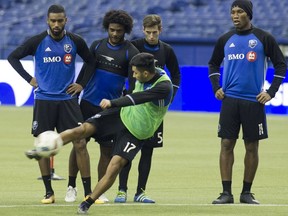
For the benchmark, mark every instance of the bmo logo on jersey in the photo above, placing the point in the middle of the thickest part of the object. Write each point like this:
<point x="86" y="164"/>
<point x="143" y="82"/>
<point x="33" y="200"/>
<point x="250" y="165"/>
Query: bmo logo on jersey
<point x="236" y="56"/>
<point x="67" y="59"/>
<point x="52" y="59"/>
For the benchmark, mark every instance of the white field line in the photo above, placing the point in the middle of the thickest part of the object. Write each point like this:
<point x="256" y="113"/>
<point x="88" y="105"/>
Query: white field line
<point x="148" y="205"/>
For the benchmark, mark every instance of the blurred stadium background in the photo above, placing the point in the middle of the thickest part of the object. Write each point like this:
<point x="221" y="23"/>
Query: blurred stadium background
<point x="191" y="27"/>
<point x="188" y="23"/>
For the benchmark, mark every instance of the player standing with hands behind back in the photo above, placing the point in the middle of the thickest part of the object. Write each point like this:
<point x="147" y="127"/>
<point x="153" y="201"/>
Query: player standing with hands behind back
<point x="56" y="104"/>
<point x="245" y="51"/>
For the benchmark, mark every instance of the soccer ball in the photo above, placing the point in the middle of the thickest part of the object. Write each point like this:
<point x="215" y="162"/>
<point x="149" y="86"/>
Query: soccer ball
<point x="48" y="144"/>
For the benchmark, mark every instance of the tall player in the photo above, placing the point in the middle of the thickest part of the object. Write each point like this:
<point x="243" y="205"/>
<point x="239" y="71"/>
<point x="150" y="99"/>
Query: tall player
<point x="164" y="57"/>
<point x="56" y="104"/>
<point x="112" y="55"/>
<point x="242" y="94"/>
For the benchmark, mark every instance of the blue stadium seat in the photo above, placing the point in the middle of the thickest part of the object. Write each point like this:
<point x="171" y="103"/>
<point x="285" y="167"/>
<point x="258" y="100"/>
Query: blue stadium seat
<point x="181" y="18"/>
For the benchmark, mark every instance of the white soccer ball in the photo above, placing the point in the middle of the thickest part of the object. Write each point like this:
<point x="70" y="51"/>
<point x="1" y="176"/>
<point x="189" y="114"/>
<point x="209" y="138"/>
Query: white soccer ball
<point x="48" y="144"/>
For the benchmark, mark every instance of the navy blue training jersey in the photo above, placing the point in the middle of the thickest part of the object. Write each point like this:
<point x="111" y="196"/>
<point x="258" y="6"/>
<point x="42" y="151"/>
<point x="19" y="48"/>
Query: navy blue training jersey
<point x="245" y="57"/>
<point x="112" y="70"/>
<point x="54" y="62"/>
<point x="164" y="56"/>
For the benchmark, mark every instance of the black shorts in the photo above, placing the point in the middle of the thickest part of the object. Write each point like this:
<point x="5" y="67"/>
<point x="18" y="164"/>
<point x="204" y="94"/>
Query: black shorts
<point x="109" y="126"/>
<point x="157" y="140"/>
<point x="59" y="115"/>
<point x="236" y="112"/>
<point x="88" y="110"/>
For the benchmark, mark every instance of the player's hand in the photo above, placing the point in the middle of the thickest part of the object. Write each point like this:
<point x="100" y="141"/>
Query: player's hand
<point x="74" y="88"/>
<point x="105" y="104"/>
<point x="263" y="97"/>
<point x="33" y="82"/>
<point x="220" y="94"/>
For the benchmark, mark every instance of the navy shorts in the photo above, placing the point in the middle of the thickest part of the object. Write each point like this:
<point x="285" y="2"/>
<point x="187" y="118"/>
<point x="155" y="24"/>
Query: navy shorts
<point x="109" y="126"/>
<point x="248" y="114"/>
<point x="156" y="140"/>
<point x="59" y="115"/>
<point x="88" y="110"/>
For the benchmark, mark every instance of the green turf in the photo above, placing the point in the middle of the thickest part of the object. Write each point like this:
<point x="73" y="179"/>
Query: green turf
<point x="184" y="178"/>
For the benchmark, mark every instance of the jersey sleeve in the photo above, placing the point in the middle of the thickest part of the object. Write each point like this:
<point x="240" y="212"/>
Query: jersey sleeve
<point x="84" y="52"/>
<point x="277" y="58"/>
<point x="173" y="67"/>
<point x="159" y="91"/>
<point x="132" y="51"/>
<point x="26" y="49"/>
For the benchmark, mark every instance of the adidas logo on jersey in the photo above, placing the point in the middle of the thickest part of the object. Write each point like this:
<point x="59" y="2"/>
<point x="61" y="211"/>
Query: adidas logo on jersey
<point x="232" y="45"/>
<point x="48" y="49"/>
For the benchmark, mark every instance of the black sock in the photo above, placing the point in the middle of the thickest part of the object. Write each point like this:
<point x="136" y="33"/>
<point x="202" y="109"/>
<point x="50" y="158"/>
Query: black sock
<point x="144" y="169"/>
<point x="227" y="186"/>
<point x="246" y="187"/>
<point x="47" y="183"/>
<point x="90" y="201"/>
<point x="87" y="185"/>
<point x="72" y="181"/>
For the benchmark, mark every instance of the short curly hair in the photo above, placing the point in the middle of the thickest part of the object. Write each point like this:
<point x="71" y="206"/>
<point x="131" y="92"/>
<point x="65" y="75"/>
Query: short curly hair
<point x="120" y="17"/>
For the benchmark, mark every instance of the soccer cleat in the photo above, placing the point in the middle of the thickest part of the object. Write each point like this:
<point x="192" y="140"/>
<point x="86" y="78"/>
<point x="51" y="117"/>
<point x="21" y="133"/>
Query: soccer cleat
<point x="103" y="198"/>
<point x="97" y="201"/>
<point x="48" y="199"/>
<point x="71" y="194"/>
<point x="32" y="154"/>
<point x="121" y="197"/>
<point x="224" y="198"/>
<point x="248" y="198"/>
<point x="83" y="208"/>
<point x="143" y="198"/>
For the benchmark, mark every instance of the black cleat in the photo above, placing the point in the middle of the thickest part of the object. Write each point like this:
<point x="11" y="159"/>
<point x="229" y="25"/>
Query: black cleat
<point x="224" y="198"/>
<point x="248" y="198"/>
<point x="83" y="208"/>
<point x="32" y="154"/>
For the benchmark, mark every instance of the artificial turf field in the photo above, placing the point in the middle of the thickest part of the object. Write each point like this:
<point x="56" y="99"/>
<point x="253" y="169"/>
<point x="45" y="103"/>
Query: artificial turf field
<point x="184" y="178"/>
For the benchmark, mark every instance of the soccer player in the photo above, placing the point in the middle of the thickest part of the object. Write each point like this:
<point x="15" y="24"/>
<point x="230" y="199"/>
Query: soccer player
<point x="245" y="51"/>
<point x="140" y="115"/>
<point x="56" y="104"/>
<point x="112" y="55"/>
<point x="164" y="57"/>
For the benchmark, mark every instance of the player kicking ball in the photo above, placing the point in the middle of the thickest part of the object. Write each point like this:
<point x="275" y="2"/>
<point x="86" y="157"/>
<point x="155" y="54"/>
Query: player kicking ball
<point x="131" y="120"/>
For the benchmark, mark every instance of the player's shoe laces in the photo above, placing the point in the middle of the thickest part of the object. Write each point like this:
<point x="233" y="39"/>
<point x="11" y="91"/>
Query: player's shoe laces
<point x="71" y="194"/>
<point x="48" y="199"/>
<point x="248" y="198"/>
<point x="121" y="197"/>
<point x="224" y="198"/>
<point x="143" y="198"/>
<point x="83" y="208"/>
<point x="32" y="154"/>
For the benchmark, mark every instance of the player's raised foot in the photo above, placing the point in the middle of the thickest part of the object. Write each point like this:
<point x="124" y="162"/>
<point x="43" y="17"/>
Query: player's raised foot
<point x="32" y="154"/>
<point x="248" y="198"/>
<point x="83" y="208"/>
<point x="143" y="198"/>
<point x="71" y="194"/>
<point x="224" y="198"/>
<point x="49" y="198"/>
<point x="102" y="199"/>
<point x="121" y="197"/>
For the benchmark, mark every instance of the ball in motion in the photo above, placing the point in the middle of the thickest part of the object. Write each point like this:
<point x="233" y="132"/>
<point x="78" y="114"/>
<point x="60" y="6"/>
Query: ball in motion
<point x="48" y="144"/>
